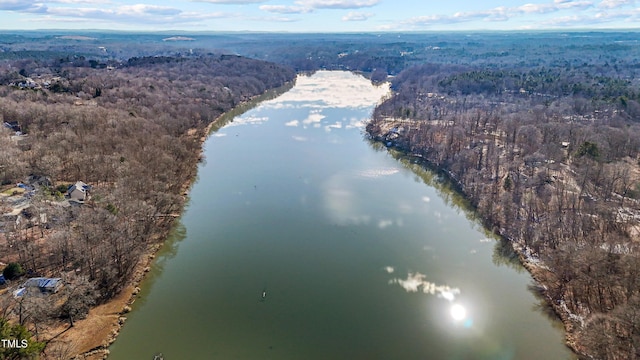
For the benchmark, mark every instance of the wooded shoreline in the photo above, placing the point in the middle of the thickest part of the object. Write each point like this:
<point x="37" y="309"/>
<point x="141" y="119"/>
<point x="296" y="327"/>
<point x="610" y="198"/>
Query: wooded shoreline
<point x="410" y="137"/>
<point x="535" y="269"/>
<point x="143" y="148"/>
<point x="130" y="294"/>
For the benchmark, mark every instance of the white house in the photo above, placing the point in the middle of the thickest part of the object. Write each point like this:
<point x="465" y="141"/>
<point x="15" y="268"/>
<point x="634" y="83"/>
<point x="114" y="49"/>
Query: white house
<point x="78" y="191"/>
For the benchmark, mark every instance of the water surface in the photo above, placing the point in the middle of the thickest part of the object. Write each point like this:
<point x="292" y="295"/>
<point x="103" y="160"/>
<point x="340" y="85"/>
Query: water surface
<point x="361" y="254"/>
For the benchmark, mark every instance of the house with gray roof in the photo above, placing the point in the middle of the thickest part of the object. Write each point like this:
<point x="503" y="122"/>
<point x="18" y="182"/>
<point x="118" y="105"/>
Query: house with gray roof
<point x="78" y="192"/>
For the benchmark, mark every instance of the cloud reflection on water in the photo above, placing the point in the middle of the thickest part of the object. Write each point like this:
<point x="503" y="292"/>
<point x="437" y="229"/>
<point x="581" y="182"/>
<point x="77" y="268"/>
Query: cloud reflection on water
<point x="315" y="117"/>
<point x="341" y="201"/>
<point x="384" y="223"/>
<point x="248" y="120"/>
<point x="335" y="89"/>
<point x="336" y="125"/>
<point x="356" y="123"/>
<point x="376" y="173"/>
<point x="415" y="282"/>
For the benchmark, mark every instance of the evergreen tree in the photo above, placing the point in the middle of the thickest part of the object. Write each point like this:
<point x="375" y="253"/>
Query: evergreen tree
<point x="26" y="347"/>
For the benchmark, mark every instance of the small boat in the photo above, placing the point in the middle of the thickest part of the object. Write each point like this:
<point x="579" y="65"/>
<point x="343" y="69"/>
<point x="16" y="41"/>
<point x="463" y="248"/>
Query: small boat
<point x="158" y="357"/>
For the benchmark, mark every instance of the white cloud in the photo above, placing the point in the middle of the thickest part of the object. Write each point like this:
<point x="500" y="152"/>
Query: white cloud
<point x="500" y="13"/>
<point x="307" y="6"/>
<point x="553" y="7"/>
<point x="22" y="5"/>
<point x="137" y="13"/>
<point x="80" y="1"/>
<point x="143" y="9"/>
<point x="292" y="123"/>
<point x="574" y="5"/>
<point x="50" y="19"/>
<point x="357" y="16"/>
<point x="338" y="4"/>
<point x="274" y="19"/>
<point x="535" y="13"/>
<point x="388" y="27"/>
<point x="230" y="2"/>
<point x="424" y="20"/>
<point x="389" y="269"/>
<point x="567" y="20"/>
<point x="611" y="4"/>
<point x="536" y="8"/>
<point x="589" y="20"/>
<point x="284" y="9"/>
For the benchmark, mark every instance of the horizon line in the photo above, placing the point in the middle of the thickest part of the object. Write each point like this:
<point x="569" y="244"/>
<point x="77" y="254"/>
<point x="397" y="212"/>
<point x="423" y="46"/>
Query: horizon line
<point x="636" y="29"/>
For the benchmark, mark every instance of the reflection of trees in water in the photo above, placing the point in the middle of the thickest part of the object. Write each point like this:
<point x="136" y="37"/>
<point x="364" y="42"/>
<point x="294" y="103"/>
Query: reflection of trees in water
<point x="437" y="179"/>
<point x="170" y="247"/>
<point x="167" y="252"/>
<point x="377" y="146"/>
<point x="504" y="255"/>
<point x="543" y="307"/>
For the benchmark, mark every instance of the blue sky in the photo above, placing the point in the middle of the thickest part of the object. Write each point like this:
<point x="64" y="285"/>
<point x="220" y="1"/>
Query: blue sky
<point x="318" y="15"/>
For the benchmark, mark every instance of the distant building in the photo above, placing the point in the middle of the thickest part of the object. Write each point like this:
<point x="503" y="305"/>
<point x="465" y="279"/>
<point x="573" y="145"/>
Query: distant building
<point x="39" y="285"/>
<point x="78" y="192"/>
<point x="13" y="126"/>
<point x="39" y="180"/>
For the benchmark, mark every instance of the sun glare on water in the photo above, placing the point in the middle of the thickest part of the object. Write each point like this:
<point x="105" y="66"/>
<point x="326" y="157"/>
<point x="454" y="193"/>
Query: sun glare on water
<point x="458" y="312"/>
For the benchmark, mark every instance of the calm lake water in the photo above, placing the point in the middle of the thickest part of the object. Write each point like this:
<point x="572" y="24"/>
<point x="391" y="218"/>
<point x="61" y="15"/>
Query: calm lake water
<point x="362" y="254"/>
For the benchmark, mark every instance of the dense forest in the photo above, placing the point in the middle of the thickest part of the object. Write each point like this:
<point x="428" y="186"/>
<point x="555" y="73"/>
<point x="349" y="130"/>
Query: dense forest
<point x="133" y="133"/>
<point x="549" y="157"/>
<point x="383" y="53"/>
